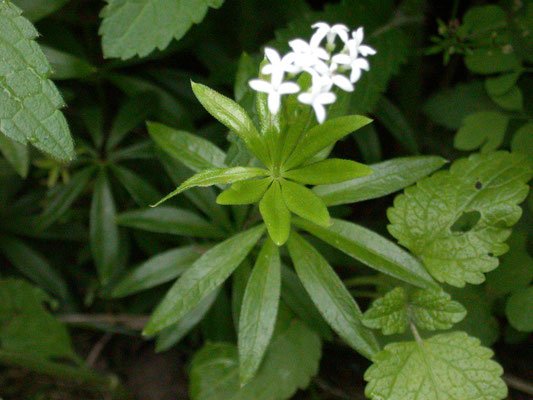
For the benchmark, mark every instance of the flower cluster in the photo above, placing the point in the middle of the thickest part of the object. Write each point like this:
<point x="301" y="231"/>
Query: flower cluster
<point x="327" y="68"/>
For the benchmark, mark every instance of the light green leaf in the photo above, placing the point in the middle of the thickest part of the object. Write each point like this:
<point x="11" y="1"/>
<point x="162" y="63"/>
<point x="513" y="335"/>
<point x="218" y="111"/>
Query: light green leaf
<point x="171" y="220"/>
<point x="157" y="270"/>
<point x="259" y="310"/>
<point x="371" y="249"/>
<point x="303" y="202"/>
<point x="275" y="214"/>
<point x="292" y="359"/>
<point x="244" y="192"/>
<point x="321" y="136"/>
<point x="29" y="102"/>
<point x="446" y="366"/>
<point x="451" y="221"/>
<point x="522" y="141"/>
<point x="193" y="151"/>
<point x="216" y="176"/>
<point x="328" y="171"/>
<point x="139" y="27"/>
<point x="142" y="192"/>
<point x="491" y="61"/>
<point x="386" y="178"/>
<point x="234" y="118"/>
<point x="35" y="10"/>
<point x="204" y="276"/>
<point x="519" y="309"/>
<point x="388" y="313"/>
<point x="330" y="296"/>
<point x="17" y="154"/>
<point x="67" y="66"/>
<point x="104" y="235"/>
<point x="433" y="309"/>
<point x="484" y="129"/>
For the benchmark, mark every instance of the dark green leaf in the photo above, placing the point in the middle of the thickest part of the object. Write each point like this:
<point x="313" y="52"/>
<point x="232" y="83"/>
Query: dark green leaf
<point x="519" y="309"/>
<point x="142" y="192"/>
<point x="483" y="129"/>
<point x="16" y="153"/>
<point x="67" y="66"/>
<point x="395" y="121"/>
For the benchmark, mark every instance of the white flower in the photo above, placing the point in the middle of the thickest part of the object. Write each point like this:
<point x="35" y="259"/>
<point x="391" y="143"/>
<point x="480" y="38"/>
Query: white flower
<point x="278" y="66"/>
<point x="352" y="59"/>
<point x="319" y="96"/>
<point x="331" y="72"/>
<point x="304" y="55"/>
<point x="361" y="48"/>
<point x="323" y="30"/>
<point x="275" y="90"/>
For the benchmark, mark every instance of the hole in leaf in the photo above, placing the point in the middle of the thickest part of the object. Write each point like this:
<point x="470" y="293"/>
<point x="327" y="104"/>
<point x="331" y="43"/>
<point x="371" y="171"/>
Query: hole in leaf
<point x="466" y="221"/>
<point x="478" y="185"/>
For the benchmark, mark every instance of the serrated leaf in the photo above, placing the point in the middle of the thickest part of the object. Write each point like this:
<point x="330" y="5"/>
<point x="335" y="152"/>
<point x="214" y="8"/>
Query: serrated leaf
<point x="388" y="313"/>
<point x="330" y="296"/>
<point x="330" y="171"/>
<point x="29" y="102"/>
<point x="519" y="309"/>
<point x="425" y="218"/>
<point x="246" y="192"/>
<point x="386" y="178"/>
<point x="204" y="276"/>
<point x="291" y="361"/>
<point x="304" y="203"/>
<point x="485" y="129"/>
<point x="139" y="27"/>
<point x="276" y="215"/>
<point x="446" y="366"/>
<point x="432" y="310"/>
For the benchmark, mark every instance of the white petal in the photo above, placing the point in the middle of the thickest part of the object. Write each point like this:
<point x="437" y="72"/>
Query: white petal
<point x="355" y="75"/>
<point x="305" y="98"/>
<point x="366" y="50"/>
<point x="343" y="82"/>
<point x="299" y="45"/>
<point x="322" y="53"/>
<point x="267" y="69"/>
<point x="361" y="63"/>
<point x="320" y="25"/>
<point x="272" y="55"/>
<point x="320" y="113"/>
<point x="260" y="85"/>
<point x="317" y="37"/>
<point x="343" y="59"/>
<point x="326" y="98"/>
<point x="358" y="35"/>
<point x="288" y="88"/>
<point x="274" y="101"/>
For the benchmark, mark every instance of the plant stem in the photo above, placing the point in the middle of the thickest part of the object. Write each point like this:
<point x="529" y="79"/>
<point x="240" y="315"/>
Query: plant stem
<point x="132" y="321"/>
<point x="518" y="384"/>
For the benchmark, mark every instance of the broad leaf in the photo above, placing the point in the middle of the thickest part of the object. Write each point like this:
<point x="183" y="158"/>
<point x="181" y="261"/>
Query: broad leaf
<point x="245" y="192"/>
<point x="29" y="102"/>
<point x="446" y="366"/>
<point x="523" y="140"/>
<point x="333" y="170"/>
<point x="519" y="309"/>
<point x="275" y="214"/>
<point x="491" y="60"/>
<point x="204" y="276"/>
<point x="331" y="296"/>
<point x="483" y="129"/>
<point x="388" y="313"/>
<point x="501" y="84"/>
<point x="386" y="178"/>
<point x="371" y="249"/>
<point x="139" y="27"/>
<point x="303" y="202"/>
<point x="451" y="221"/>
<point x="432" y="310"/>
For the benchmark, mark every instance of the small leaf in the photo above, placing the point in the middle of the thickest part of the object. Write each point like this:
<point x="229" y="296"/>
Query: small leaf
<point x="171" y="220"/>
<point x="386" y="178"/>
<point x="17" y="154"/>
<point x="204" y="276"/>
<point x="501" y="84"/>
<point x="193" y="151"/>
<point x="259" y="310"/>
<point x="485" y="129"/>
<point x="388" y="313"/>
<point x="511" y="101"/>
<point x="275" y="214"/>
<point x="323" y="135"/>
<point x="245" y="192"/>
<point x="331" y="296"/>
<point x="67" y="66"/>
<point x="303" y="202"/>
<point x="523" y="140"/>
<point x="234" y="118"/>
<point x="451" y="366"/>
<point x="491" y="61"/>
<point x="519" y="310"/>
<point x="333" y="170"/>
<point x="433" y="309"/>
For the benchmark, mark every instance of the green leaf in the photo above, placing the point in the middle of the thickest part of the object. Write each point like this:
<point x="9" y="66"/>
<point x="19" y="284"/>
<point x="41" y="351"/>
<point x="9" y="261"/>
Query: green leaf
<point x="193" y="151"/>
<point x="26" y="327"/>
<point x="259" y="310"/>
<point x="244" y="192"/>
<point x="170" y="220"/>
<point x="387" y="177"/>
<point x="292" y="359"/>
<point x="204" y="276"/>
<point x="29" y="102"/>
<point x="462" y="243"/>
<point x="395" y="121"/>
<point x="67" y="66"/>
<point x="501" y="84"/>
<point x="217" y="176"/>
<point x="142" y="192"/>
<point x="157" y="270"/>
<point x="275" y="214"/>
<point x="35" y="10"/>
<point x="321" y="136"/>
<point x="479" y="21"/>
<point x="519" y="309"/>
<point x="138" y="28"/>
<point x="330" y="296"/>
<point x="511" y="101"/>
<point x="522" y="141"/>
<point x="303" y="202"/>
<point x="17" y="154"/>
<point x="328" y="171"/>
<point x="104" y="235"/>
<point x="371" y="249"/>
<point x="233" y="116"/>
<point x="367" y="140"/>
<point x="433" y="309"/>
<point x="484" y="129"/>
<point x="446" y="366"/>
<point x="388" y="313"/>
<point x="491" y="61"/>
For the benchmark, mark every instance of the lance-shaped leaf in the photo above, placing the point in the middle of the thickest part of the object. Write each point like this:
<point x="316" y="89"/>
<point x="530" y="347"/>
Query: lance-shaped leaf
<point x="259" y="310"/>
<point x="67" y="66"/>
<point x="333" y="170"/>
<point x="245" y="192"/>
<point x="142" y="192"/>
<point x="16" y="153"/>
<point x="371" y="249"/>
<point x="276" y="215"/>
<point x="322" y="136"/>
<point x="204" y="276"/>
<point x="303" y="202"/>
<point x="451" y="220"/>
<point x="217" y="176"/>
<point x="331" y="296"/>
<point x="386" y="178"/>
<point x="447" y="366"/>
<point x="29" y="102"/>
<point x="234" y="118"/>
<point x="193" y="151"/>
